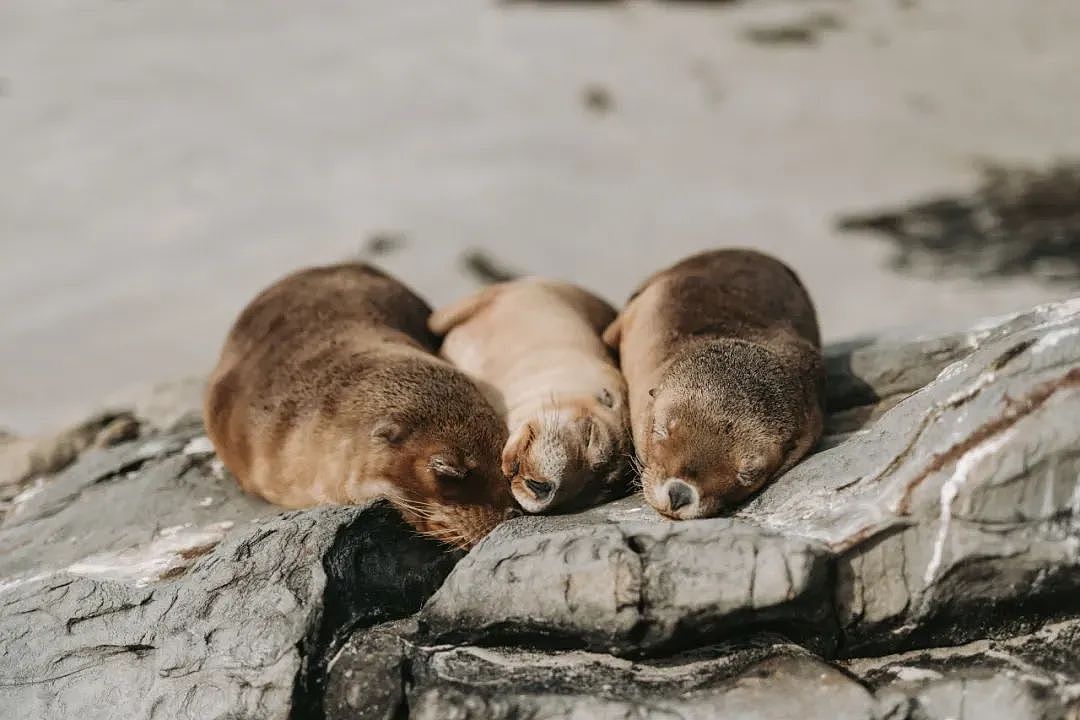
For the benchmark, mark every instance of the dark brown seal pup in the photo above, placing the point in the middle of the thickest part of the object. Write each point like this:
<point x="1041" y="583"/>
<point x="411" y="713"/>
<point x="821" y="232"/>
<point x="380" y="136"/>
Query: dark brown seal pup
<point x="328" y="391"/>
<point x="722" y="356"/>
<point x="535" y="345"/>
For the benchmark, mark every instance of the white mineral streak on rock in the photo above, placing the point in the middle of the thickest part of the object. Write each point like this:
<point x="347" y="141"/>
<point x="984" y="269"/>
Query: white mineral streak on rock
<point x="173" y="529"/>
<point x="1053" y="337"/>
<point x="174" y="550"/>
<point x="981" y="328"/>
<point x="37" y="487"/>
<point x="1063" y="310"/>
<point x="981" y="382"/>
<point x="199" y="446"/>
<point x="1031" y="672"/>
<point x="1074" y="502"/>
<point x="950" y="370"/>
<point x="914" y="674"/>
<point x="951" y="488"/>
<point x="151" y="448"/>
<point x="13" y="582"/>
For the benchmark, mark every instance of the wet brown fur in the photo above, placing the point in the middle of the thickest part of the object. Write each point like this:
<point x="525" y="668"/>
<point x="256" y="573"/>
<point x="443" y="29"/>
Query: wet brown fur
<point x="722" y="356"/>
<point x="328" y="391"/>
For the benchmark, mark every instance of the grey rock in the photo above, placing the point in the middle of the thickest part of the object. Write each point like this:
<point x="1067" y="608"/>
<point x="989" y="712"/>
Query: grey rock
<point x="388" y="672"/>
<point x="959" y="507"/>
<point x="160" y="408"/>
<point x="761" y="677"/>
<point x="954" y="511"/>
<point x="366" y="679"/>
<point x="141" y="583"/>
<point x="613" y="582"/>
<point x="868" y="370"/>
<point x="24" y="459"/>
<point x="786" y="684"/>
<point x="1027" y="677"/>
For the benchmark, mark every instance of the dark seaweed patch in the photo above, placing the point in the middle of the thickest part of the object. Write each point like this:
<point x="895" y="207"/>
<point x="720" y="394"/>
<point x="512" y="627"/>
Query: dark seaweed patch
<point x="1018" y="221"/>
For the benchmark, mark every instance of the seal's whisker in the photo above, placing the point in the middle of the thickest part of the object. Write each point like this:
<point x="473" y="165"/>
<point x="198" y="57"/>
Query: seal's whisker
<point x="424" y="513"/>
<point x="449" y="536"/>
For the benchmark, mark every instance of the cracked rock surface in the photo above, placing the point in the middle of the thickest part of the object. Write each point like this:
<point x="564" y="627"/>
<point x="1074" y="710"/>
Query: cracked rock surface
<point x="924" y="564"/>
<point x="388" y="672"/>
<point x="139" y="583"/>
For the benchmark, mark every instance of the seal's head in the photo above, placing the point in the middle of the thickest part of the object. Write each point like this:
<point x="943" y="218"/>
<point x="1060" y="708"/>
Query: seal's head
<point x="436" y="451"/>
<point x="572" y="454"/>
<point x="726" y="417"/>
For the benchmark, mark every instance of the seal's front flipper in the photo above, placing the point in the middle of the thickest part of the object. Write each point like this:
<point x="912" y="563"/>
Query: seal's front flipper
<point x="447" y="318"/>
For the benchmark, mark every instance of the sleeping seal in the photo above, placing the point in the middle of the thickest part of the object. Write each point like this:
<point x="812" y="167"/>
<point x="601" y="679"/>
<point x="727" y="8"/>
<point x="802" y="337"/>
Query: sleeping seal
<point x="534" y="345"/>
<point x="722" y="356"/>
<point x="328" y="391"/>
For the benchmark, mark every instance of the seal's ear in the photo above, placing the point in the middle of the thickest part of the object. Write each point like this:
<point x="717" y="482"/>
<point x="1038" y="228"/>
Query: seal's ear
<point x="447" y="318"/>
<point x="613" y="335"/>
<point x="389" y="431"/>
<point x="516" y="447"/>
<point x="605" y="398"/>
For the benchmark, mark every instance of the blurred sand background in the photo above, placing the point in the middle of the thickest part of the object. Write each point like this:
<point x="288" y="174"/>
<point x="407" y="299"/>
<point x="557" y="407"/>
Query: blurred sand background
<point x="162" y="161"/>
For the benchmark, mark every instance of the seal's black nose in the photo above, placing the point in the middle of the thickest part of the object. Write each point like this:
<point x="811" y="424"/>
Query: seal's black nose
<point x="541" y="488"/>
<point x="679" y="495"/>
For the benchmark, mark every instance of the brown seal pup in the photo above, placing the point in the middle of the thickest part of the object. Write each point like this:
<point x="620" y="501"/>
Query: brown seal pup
<point x="328" y="391"/>
<point x="722" y="356"/>
<point x="534" y="345"/>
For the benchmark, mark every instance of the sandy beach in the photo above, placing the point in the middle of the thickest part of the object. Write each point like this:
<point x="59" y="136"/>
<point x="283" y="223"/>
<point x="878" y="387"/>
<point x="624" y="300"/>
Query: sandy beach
<point x="164" y="161"/>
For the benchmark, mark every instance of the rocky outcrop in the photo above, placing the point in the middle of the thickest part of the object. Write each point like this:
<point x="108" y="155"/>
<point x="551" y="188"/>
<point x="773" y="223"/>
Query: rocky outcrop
<point x="159" y="408"/>
<point x="618" y="579"/>
<point x="139" y="584"/>
<point x="925" y="563"/>
<point x="956" y="508"/>
<point x="386" y="673"/>
<point x="24" y="459"/>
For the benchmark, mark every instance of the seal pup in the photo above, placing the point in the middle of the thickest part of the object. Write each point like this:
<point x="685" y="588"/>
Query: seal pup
<point x="534" y="345"/>
<point x="722" y="356"/>
<point x="328" y="391"/>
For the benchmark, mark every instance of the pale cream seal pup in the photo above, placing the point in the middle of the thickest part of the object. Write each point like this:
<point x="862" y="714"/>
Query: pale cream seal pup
<point x="722" y="356"/>
<point x="328" y="391"/>
<point x="534" y="345"/>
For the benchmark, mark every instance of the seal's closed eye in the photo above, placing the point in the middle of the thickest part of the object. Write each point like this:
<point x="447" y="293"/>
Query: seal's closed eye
<point x="389" y="431"/>
<point x="444" y="469"/>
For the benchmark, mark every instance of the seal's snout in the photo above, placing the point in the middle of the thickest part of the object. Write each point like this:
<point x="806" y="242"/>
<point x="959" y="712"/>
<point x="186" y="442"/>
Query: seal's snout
<point x="535" y="494"/>
<point x="677" y="500"/>
<point x="542" y="489"/>
<point x="679" y="495"/>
